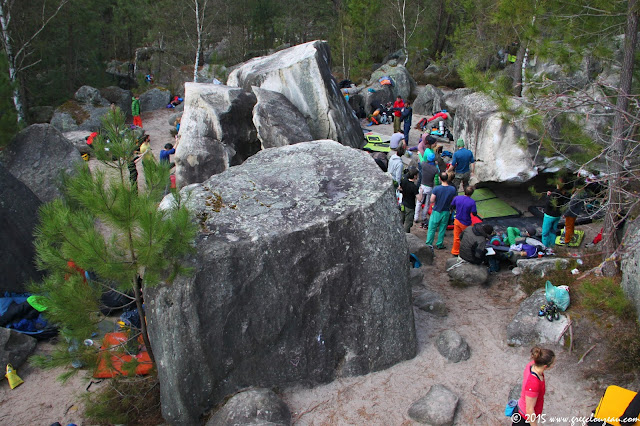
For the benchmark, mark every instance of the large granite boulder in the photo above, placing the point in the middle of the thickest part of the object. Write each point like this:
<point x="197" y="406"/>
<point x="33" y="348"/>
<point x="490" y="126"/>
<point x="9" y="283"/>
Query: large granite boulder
<point x="18" y="218"/>
<point x="629" y="265"/>
<point x="494" y="141"/>
<point x="452" y="99"/>
<point x="403" y="83"/>
<point x="38" y="156"/>
<point x="300" y="275"/>
<point x="154" y="99"/>
<point x="303" y="75"/>
<point x="118" y="96"/>
<point x="378" y="94"/>
<point x="253" y="407"/>
<point x="527" y="328"/>
<point x="278" y="122"/>
<point x="79" y="139"/>
<point x="73" y="115"/>
<point x="216" y="131"/>
<point x="429" y="101"/>
<point x="91" y="96"/>
<point x="15" y="347"/>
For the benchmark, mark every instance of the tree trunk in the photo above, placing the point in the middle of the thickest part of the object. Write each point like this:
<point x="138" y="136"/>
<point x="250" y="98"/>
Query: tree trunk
<point x="199" y="29"/>
<point x="517" y="71"/>
<point x="615" y="157"/>
<point x="5" y="17"/>
<point x="137" y="291"/>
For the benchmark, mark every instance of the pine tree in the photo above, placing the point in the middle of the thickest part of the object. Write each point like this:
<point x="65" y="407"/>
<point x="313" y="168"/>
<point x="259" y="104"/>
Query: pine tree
<point x="105" y="225"/>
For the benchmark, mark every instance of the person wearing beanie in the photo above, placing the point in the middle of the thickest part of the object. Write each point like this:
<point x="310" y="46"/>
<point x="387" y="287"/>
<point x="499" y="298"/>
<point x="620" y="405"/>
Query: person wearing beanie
<point x="464" y="206"/>
<point x="429" y="172"/>
<point x="474" y="241"/>
<point x="463" y="165"/>
<point x="441" y="198"/>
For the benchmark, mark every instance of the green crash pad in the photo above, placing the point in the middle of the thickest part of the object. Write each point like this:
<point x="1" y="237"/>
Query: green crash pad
<point x="490" y="206"/>
<point x="376" y="142"/>
<point x="578" y="236"/>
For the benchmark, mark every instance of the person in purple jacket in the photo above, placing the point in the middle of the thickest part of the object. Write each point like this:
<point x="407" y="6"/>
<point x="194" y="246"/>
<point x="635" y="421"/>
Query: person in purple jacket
<point x="464" y="206"/>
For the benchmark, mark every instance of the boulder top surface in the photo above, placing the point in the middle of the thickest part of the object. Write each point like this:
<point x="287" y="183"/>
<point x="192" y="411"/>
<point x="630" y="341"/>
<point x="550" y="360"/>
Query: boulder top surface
<point x="286" y="189"/>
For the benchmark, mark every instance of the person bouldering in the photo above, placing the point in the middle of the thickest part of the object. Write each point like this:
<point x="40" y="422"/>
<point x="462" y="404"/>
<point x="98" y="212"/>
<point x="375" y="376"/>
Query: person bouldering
<point x="165" y="154"/>
<point x="135" y="111"/>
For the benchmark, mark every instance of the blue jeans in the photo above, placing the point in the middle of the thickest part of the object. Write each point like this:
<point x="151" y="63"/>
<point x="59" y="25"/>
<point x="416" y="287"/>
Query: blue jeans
<point x="549" y="228"/>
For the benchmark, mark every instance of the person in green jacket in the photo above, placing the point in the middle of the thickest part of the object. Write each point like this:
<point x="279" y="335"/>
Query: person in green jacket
<point x="135" y="111"/>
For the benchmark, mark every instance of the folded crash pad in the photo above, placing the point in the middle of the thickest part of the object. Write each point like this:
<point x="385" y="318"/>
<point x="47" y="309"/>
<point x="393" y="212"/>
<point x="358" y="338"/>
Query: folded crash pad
<point x="578" y="236"/>
<point x="613" y="405"/>
<point x="115" y="359"/>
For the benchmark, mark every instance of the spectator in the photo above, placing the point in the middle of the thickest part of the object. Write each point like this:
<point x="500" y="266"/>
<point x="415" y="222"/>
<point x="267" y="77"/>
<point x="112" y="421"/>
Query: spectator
<point x="397" y="107"/>
<point x="135" y="111"/>
<point x="463" y="165"/>
<point x="441" y="198"/>
<point x="464" y="206"/>
<point x="409" y="195"/>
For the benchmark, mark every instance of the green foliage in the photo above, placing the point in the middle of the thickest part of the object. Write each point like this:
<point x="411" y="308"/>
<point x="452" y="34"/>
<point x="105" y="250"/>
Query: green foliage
<point x="104" y="224"/>
<point x="606" y="296"/>
<point x="8" y="115"/>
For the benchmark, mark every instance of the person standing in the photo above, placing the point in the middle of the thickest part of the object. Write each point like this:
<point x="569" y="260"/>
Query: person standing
<point x="534" y="385"/>
<point x="463" y="165"/>
<point x="409" y="194"/>
<point x="407" y="116"/>
<point x="464" y="206"/>
<point x="552" y="214"/>
<point x="570" y="216"/>
<point x="135" y="111"/>
<point x="397" y="115"/>
<point x="441" y="198"/>
<point x="396" y="165"/>
<point x="429" y="172"/>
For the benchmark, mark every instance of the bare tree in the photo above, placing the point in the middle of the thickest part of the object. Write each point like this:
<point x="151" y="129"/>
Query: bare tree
<point x="405" y="30"/>
<point x="200" y="11"/>
<point x="18" y="52"/>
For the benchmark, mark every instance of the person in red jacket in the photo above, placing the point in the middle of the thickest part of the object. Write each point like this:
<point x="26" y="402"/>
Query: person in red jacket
<point x="397" y="114"/>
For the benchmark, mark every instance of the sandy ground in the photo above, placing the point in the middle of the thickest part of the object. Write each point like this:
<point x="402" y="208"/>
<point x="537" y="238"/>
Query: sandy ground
<point x="483" y="382"/>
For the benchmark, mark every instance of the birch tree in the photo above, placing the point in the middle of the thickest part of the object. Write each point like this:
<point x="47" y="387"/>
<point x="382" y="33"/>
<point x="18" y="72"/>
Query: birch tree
<point x="18" y="52"/>
<point x="407" y="23"/>
<point x="199" y="7"/>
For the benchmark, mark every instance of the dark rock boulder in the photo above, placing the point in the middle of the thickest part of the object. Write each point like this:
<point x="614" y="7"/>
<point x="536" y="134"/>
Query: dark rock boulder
<point x="629" y="265"/>
<point x="18" y="218"/>
<point x="154" y="99"/>
<point x="15" y="347"/>
<point x="436" y="408"/>
<point x="216" y="131"/>
<point x="40" y="114"/>
<point x="38" y="156"/>
<point x="303" y="75"/>
<point x="429" y="101"/>
<point x="527" y="328"/>
<point x="252" y="407"/>
<point x="118" y="96"/>
<point x="465" y="273"/>
<point x="300" y="275"/>
<point x="278" y="122"/>
<point x="416" y="276"/>
<point x="420" y="249"/>
<point x="90" y="96"/>
<point x="429" y="301"/>
<point x="72" y="116"/>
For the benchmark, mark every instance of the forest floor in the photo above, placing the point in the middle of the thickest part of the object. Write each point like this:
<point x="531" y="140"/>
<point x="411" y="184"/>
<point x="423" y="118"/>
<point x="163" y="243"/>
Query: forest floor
<point x="483" y="383"/>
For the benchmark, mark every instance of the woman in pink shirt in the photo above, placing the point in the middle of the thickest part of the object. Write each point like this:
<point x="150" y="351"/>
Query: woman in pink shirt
<point x="533" y="388"/>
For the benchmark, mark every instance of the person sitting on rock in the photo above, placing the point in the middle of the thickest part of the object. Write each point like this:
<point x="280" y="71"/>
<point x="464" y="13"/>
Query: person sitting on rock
<point x="474" y="242"/>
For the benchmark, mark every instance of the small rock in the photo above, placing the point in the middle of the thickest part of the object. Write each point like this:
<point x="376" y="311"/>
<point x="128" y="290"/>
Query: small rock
<point x="416" y="275"/>
<point x="465" y="273"/>
<point x="436" y="408"/>
<point x="419" y="248"/>
<point x="15" y="347"/>
<point x="452" y="346"/>
<point x="430" y="302"/>
<point x="254" y="406"/>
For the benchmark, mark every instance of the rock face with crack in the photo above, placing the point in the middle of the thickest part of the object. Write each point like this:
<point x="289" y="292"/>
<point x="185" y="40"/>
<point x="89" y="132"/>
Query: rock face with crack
<point x="302" y="74"/>
<point x="300" y="276"/>
<point x="527" y="328"/>
<point x="216" y="131"/>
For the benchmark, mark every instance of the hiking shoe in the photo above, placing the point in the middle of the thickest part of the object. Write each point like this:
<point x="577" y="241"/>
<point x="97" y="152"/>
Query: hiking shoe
<point x="441" y="247"/>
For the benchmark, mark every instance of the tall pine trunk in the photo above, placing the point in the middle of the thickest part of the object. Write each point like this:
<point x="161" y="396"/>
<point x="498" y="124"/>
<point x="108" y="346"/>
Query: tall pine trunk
<point x="615" y="157"/>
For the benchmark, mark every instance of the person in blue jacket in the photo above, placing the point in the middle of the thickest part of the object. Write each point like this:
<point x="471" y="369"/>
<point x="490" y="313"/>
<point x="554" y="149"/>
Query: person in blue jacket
<point x="407" y="116"/>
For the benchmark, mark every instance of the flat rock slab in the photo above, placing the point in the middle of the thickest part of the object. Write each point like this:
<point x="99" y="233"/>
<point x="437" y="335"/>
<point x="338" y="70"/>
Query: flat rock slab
<point x="465" y="273"/>
<point x="527" y="328"/>
<point x="544" y="265"/>
<point x="452" y="346"/>
<point x="252" y="407"/>
<point x="436" y="408"/>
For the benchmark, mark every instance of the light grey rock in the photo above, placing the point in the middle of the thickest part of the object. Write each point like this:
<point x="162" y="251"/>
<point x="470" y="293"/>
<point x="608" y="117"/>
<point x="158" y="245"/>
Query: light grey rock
<point x="90" y="96"/>
<point x="19" y="216"/>
<point x="303" y="75"/>
<point x="38" y="156"/>
<point x="154" y="99"/>
<point x="73" y="116"/>
<point x="216" y="131"/>
<point x="252" y="407"/>
<point x="79" y="139"/>
<point x="436" y="408"/>
<point x="453" y="99"/>
<point x="420" y="249"/>
<point x="278" y="122"/>
<point x="452" y="346"/>
<point x="544" y="265"/>
<point x="629" y="265"/>
<point x="120" y="97"/>
<point x="173" y="117"/>
<point x="465" y="273"/>
<point x="403" y="83"/>
<point x="429" y="301"/>
<point x="527" y="328"/>
<point x="492" y="140"/>
<point x="300" y="275"/>
<point x="15" y="347"/>
<point x="63" y="121"/>
<point x="429" y="101"/>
